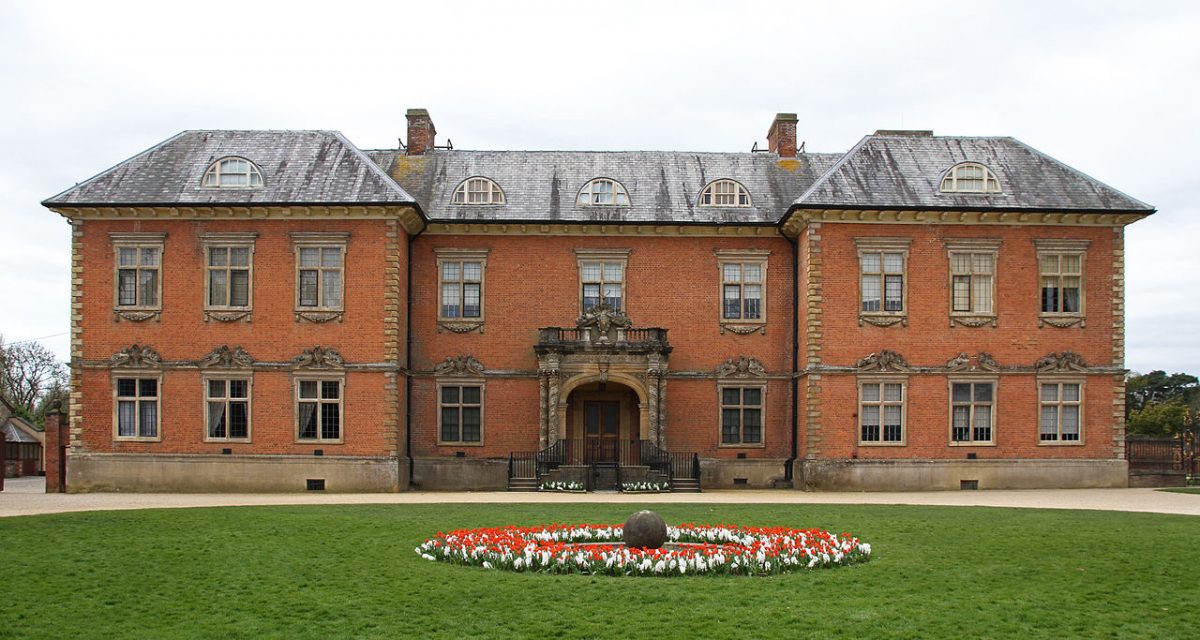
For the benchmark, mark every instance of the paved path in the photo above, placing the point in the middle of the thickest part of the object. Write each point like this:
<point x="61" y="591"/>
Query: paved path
<point x="24" y="496"/>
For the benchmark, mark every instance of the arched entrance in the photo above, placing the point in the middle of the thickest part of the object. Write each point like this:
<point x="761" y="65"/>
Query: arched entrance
<point x="604" y="422"/>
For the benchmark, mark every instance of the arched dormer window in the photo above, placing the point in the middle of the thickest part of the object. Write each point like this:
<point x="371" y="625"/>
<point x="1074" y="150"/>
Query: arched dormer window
<point x="478" y="190"/>
<point x="970" y="177"/>
<point x="724" y="193"/>
<point x="232" y="172"/>
<point x="603" y="192"/>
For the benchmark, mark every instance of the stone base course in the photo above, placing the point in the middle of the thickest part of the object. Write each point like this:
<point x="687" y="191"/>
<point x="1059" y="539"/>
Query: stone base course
<point x="935" y="475"/>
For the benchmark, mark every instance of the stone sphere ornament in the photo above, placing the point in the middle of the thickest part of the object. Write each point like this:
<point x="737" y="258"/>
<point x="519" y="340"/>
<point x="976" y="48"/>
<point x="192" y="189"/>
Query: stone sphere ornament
<point x="645" y="530"/>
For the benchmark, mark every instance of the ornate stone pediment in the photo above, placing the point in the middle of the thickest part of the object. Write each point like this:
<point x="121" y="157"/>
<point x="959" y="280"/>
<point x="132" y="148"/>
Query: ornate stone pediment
<point x="225" y="357"/>
<point x="1066" y="361"/>
<point x="983" y="362"/>
<point x="603" y="321"/>
<point x="460" y="365"/>
<point x="136" y="356"/>
<point x="318" y="358"/>
<point x="885" y="360"/>
<point x="743" y="367"/>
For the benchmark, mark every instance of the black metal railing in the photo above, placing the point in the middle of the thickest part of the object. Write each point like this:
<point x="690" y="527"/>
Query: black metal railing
<point x="1164" y="454"/>
<point x="604" y="452"/>
<point x="523" y="465"/>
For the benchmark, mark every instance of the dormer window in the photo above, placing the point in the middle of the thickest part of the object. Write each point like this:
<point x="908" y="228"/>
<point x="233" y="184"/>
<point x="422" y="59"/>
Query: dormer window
<point x="478" y="191"/>
<point x="724" y="193"/>
<point x="970" y="177"/>
<point x="603" y="192"/>
<point x="233" y="172"/>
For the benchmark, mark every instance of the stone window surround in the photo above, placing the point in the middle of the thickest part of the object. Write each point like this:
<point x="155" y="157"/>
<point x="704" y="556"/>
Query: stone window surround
<point x="137" y="374"/>
<point x="618" y="189"/>
<point x="443" y="255"/>
<point x="1063" y="247"/>
<point x="990" y="246"/>
<point x="248" y="378"/>
<point x="881" y="245"/>
<point x="742" y="384"/>
<point x="214" y="170"/>
<point x="137" y="240"/>
<point x="738" y="191"/>
<point x="461" y="193"/>
<point x="1061" y="380"/>
<point x="741" y="256"/>
<point x="882" y="379"/>
<point x="991" y="184"/>
<point x="320" y="240"/>
<point x="228" y="240"/>
<point x="319" y="377"/>
<point x="971" y="379"/>
<point x="461" y="382"/>
<point x="583" y="255"/>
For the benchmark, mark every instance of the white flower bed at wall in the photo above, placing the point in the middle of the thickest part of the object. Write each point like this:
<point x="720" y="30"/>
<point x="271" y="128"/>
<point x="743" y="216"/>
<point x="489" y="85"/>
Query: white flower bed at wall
<point x="645" y="486"/>
<point x="691" y="550"/>
<point x="561" y="486"/>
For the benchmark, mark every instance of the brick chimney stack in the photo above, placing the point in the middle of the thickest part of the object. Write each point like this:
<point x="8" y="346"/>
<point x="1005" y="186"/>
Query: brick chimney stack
<point x="421" y="132"/>
<point x="781" y="138"/>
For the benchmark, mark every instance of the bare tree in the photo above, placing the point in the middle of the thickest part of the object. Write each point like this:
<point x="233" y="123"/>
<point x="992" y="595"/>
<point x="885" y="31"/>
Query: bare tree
<point x="27" y="371"/>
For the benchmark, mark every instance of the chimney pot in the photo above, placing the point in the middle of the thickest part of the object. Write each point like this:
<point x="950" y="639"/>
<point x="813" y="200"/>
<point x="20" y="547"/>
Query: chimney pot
<point x="781" y="137"/>
<point x="421" y="132"/>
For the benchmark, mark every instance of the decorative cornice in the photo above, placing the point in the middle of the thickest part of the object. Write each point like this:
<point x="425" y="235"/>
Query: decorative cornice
<point x="460" y="365"/>
<point x="135" y="356"/>
<point x="407" y="214"/>
<point x="873" y="243"/>
<point x="333" y="237"/>
<point x="972" y="244"/>
<point x="319" y="358"/>
<point x="743" y="367"/>
<point x="1055" y="362"/>
<point x="1061" y="244"/>
<point x="117" y="237"/>
<point x="884" y="361"/>
<point x="454" y="253"/>
<point x="983" y="362"/>
<point x="592" y="229"/>
<point x="795" y="221"/>
<point x="225" y="357"/>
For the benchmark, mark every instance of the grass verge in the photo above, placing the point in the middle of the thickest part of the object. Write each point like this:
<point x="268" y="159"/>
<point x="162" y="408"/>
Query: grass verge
<point x="350" y="572"/>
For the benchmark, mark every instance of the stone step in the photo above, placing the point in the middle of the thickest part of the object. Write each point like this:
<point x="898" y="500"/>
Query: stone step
<point x="523" y="484"/>
<point x="685" y="485"/>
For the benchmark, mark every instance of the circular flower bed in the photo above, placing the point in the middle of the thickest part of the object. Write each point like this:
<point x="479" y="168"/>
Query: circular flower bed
<point x="690" y="549"/>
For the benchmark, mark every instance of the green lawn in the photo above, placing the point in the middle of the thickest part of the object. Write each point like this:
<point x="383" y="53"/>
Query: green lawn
<point x="350" y="572"/>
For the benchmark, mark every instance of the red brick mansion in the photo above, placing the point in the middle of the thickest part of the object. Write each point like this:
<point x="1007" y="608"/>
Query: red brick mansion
<point x="280" y="310"/>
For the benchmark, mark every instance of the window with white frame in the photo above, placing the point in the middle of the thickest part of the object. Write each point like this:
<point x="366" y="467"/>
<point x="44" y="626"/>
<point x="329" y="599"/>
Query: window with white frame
<point x="881" y="411"/>
<point x="1060" y="277"/>
<point x="137" y="407"/>
<point x="972" y="412"/>
<point x="228" y="409"/>
<point x="460" y="413"/>
<point x="970" y="177"/>
<point x="232" y="172"/>
<point x="883" y="270"/>
<point x="742" y="415"/>
<point x="138" y="270"/>
<point x="743" y="276"/>
<point x="460" y="283"/>
<point x="319" y="409"/>
<point x="229" y="266"/>
<point x="972" y="277"/>
<point x="320" y="270"/>
<point x="1061" y="419"/>
<point x="602" y="277"/>
<point x="478" y="191"/>
<point x="724" y="193"/>
<point x="603" y="192"/>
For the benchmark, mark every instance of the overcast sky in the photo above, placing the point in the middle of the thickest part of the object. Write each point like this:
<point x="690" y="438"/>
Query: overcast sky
<point x="1109" y="88"/>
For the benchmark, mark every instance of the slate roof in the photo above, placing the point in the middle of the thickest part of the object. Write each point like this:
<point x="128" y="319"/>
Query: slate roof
<point x="664" y="186"/>
<point x="904" y="171"/>
<point x="299" y="167"/>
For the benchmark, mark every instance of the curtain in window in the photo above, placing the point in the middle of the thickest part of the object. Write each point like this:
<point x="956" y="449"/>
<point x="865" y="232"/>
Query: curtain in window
<point x="127" y="418"/>
<point x="308" y="420"/>
<point x="148" y="286"/>
<point x="216" y="420"/>
<point x="148" y="424"/>
<point x="239" y="288"/>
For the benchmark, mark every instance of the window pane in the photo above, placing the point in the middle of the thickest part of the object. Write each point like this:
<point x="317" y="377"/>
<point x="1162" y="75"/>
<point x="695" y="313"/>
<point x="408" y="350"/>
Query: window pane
<point x="308" y="388"/>
<point x="960" y="431"/>
<point x="893" y="293"/>
<point x="451" y="271"/>
<point x="870" y="293"/>
<point x="218" y="257"/>
<point x="470" y="395"/>
<point x="450" y="424"/>
<point x="753" y="301"/>
<point x="960" y="262"/>
<point x="470" y="424"/>
<point x="982" y="262"/>
<point x="331" y="420"/>
<point x="1070" y="423"/>
<point x="731" y="272"/>
<point x="216" y="288"/>
<point x="331" y="257"/>
<point x="591" y="271"/>
<point x="752" y="273"/>
<point x="149" y="257"/>
<point x="983" y="294"/>
<point x="870" y="263"/>
<point x="1070" y="393"/>
<point x="870" y="393"/>
<point x="731" y="396"/>
<point x="893" y="263"/>
<point x="126" y="418"/>
<point x="239" y="420"/>
<point x="1049" y="295"/>
<point x="238" y="388"/>
<point x="330" y="389"/>
<point x="983" y="393"/>
<point x="449" y="395"/>
<point x="612" y="296"/>
<point x="126" y="387"/>
<point x="622" y="199"/>
<point x="147" y="387"/>
<point x="983" y="424"/>
<point x="752" y="397"/>
<point x="127" y="257"/>
<point x="331" y="289"/>
<point x="961" y="295"/>
<point x="1049" y="423"/>
<point x="308" y="418"/>
<point x="732" y="305"/>
<point x="148" y="419"/>
<point x="892" y="431"/>
<point x="471" y="307"/>
<point x="1070" y="295"/>
<point x="752" y="426"/>
<point x="148" y="286"/>
<point x="309" y="256"/>
<point x="961" y="392"/>
<point x="127" y="286"/>
<point x="239" y="256"/>
<point x="450" y="302"/>
<point x="892" y="392"/>
<point x="239" y="288"/>
<point x="216" y="388"/>
<point x="1072" y="264"/>
<point x="308" y="288"/>
<point x="216" y="420"/>
<point x="1048" y="264"/>
<point x="730" y="426"/>
<point x="472" y="271"/>
<point x="870" y="423"/>
<point x="612" y="271"/>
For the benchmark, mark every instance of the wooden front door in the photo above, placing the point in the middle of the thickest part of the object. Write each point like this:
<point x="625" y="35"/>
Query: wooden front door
<point x="602" y="431"/>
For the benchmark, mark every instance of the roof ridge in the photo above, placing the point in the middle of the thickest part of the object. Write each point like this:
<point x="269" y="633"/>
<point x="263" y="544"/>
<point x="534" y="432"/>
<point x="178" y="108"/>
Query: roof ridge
<point x="832" y="168"/>
<point x="371" y="166"/>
